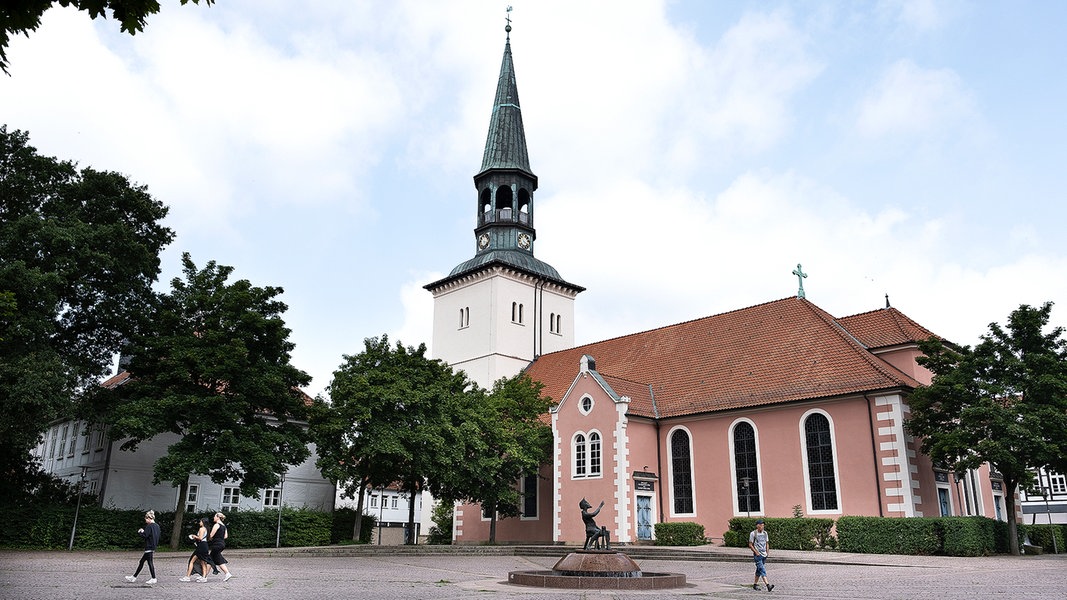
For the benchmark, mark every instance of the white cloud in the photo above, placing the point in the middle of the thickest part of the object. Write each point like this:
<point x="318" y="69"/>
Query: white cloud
<point x="911" y="101"/>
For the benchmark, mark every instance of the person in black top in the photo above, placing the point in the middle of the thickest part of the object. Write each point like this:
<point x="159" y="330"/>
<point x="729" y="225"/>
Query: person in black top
<point x="217" y="541"/>
<point x="150" y="533"/>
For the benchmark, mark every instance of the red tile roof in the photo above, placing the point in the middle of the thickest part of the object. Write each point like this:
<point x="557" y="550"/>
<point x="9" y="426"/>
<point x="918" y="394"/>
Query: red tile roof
<point x="884" y="327"/>
<point x="781" y="351"/>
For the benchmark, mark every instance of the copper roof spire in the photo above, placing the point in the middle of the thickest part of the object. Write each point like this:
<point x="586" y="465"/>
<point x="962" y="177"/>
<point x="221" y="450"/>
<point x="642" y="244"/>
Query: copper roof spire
<point x="505" y="146"/>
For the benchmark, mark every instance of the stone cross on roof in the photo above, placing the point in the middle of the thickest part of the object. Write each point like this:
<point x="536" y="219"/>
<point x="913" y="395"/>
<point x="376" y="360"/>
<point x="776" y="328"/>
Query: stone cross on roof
<point x="800" y="279"/>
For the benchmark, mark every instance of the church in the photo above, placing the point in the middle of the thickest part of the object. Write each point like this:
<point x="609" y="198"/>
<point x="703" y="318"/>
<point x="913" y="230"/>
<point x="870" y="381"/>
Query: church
<point x="766" y="410"/>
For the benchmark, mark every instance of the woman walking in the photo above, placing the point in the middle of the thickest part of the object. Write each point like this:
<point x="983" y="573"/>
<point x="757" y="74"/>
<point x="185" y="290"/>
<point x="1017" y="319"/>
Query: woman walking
<point x="217" y="540"/>
<point x="150" y="533"/>
<point x="201" y="554"/>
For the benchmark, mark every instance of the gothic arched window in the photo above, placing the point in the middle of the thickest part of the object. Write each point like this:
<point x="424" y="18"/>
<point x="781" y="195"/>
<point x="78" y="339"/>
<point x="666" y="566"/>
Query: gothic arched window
<point x="820" y="453"/>
<point x="579" y="455"/>
<point x="745" y="471"/>
<point x="681" y="472"/>
<point x="594" y="454"/>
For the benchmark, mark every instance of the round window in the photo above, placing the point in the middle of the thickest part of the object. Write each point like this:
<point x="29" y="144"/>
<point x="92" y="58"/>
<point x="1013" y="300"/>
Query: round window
<point x="587" y="404"/>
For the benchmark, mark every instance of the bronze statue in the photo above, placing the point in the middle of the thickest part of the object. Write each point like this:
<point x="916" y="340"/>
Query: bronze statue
<point x="595" y="537"/>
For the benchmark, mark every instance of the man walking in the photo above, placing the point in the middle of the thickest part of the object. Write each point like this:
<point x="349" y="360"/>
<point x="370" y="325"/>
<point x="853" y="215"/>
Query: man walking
<point x="760" y="544"/>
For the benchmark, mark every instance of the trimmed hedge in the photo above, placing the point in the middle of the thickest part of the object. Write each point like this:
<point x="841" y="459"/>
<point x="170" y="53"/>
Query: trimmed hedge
<point x="48" y="528"/>
<point x="1041" y="535"/>
<point x="797" y="533"/>
<point x="679" y="534"/>
<point x="950" y="536"/>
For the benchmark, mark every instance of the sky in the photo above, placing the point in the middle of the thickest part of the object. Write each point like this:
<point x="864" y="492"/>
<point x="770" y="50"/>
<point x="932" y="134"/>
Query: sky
<point x="690" y="154"/>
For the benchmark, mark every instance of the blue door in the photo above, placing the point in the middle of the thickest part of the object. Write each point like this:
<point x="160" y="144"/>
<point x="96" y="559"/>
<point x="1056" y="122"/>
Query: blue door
<point x="644" y="517"/>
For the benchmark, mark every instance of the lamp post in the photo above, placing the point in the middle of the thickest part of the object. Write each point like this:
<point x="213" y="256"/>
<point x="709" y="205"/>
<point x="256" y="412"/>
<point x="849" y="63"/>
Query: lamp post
<point x="1045" y="493"/>
<point x="281" y="491"/>
<point x="77" y="508"/>
<point x="381" y="512"/>
<point x="745" y="481"/>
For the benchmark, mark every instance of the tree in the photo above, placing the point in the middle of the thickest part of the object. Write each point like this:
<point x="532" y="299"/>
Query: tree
<point x="514" y="442"/>
<point x="25" y="16"/>
<point x="395" y="417"/>
<point x="214" y="369"/>
<point x="79" y="252"/>
<point x="1003" y="402"/>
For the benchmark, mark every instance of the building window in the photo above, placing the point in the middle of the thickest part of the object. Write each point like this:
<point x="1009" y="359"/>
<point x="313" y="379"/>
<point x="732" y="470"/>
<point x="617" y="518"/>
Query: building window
<point x="392" y="501"/>
<point x="86" y="438"/>
<point x="231" y="497"/>
<point x="1057" y="483"/>
<point x="594" y="454"/>
<point x="464" y="317"/>
<point x="272" y="498"/>
<point x="552" y="323"/>
<point x="586" y="405"/>
<point x="559" y="323"/>
<point x="487" y="513"/>
<point x="99" y="435"/>
<point x="374" y="501"/>
<point x="63" y="441"/>
<point x="820" y="455"/>
<point x="579" y="455"/>
<point x="52" y="446"/>
<point x="73" y="440"/>
<point x="516" y="313"/>
<point x="745" y="470"/>
<point x="681" y="472"/>
<point x="529" y="497"/>
<point x="191" y="495"/>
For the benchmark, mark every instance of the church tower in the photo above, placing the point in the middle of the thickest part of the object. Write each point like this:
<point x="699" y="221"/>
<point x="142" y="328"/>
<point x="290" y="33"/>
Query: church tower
<point x="499" y="310"/>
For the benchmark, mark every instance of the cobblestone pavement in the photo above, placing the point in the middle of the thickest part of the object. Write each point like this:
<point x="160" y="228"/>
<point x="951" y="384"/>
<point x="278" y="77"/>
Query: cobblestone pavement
<point x="725" y="573"/>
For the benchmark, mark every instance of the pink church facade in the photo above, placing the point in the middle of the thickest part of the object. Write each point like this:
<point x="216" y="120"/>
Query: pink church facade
<point x="747" y="413"/>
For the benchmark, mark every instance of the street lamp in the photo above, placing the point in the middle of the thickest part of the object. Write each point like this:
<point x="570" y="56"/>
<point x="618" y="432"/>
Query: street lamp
<point x="381" y="513"/>
<point x="745" y="481"/>
<point x="1045" y="493"/>
<point x="77" y="508"/>
<point x="281" y="491"/>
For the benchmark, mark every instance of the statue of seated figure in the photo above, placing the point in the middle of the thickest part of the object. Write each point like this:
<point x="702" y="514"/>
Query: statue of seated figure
<point x="595" y="537"/>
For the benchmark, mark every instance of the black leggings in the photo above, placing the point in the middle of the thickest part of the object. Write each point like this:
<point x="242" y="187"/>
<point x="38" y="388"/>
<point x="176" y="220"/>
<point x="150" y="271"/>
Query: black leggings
<point x="146" y="558"/>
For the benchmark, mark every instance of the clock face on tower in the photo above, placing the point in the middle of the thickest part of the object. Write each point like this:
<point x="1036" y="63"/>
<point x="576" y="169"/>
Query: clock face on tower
<point x="483" y="241"/>
<point x="524" y="241"/>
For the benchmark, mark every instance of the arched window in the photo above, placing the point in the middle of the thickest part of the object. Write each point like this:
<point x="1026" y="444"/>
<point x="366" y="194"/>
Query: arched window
<point x="594" y="454"/>
<point x="748" y="493"/>
<point x="552" y="323"/>
<point x="820" y="455"/>
<point x="559" y="323"/>
<point x="520" y="314"/>
<point x="514" y="312"/>
<point x="504" y="197"/>
<point x="579" y="455"/>
<point x="681" y="472"/>
<point x="485" y="200"/>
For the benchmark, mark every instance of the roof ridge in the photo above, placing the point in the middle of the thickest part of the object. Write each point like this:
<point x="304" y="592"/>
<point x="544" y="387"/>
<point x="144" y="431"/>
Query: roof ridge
<point x="880" y="365"/>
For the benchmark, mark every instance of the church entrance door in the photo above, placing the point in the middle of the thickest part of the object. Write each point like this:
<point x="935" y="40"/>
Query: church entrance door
<point x="644" y="518"/>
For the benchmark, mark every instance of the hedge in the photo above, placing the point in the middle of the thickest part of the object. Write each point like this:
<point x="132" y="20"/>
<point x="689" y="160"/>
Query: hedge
<point x="1041" y="535"/>
<point x="951" y="536"/>
<point x="680" y="534"/>
<point x="48" y="527"/>
<point x="796" y="533"/>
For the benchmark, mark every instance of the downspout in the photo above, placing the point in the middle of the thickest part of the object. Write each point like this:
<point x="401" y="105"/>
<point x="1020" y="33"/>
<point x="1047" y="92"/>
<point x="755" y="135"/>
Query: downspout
<point x="874" y="454"/>
<point x="659" y="456"/>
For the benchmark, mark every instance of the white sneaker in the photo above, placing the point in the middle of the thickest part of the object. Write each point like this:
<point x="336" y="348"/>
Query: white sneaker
<point x="227" y="577"/>
<point x="186" y="578"/>
<point x="151" y="581"/>
<point x="201" y="579"/>
<point x="131" y="578"/>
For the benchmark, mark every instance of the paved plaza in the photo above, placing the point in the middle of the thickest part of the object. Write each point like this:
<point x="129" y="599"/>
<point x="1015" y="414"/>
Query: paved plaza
<point x="385" y="575"/>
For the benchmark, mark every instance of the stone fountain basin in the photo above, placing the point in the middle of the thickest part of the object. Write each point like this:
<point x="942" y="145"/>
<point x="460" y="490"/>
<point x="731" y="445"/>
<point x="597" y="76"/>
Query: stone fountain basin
<point x="597" y="569"/>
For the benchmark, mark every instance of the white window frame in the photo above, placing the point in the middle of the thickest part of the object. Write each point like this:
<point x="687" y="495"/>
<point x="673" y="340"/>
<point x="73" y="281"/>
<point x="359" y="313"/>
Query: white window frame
<point x="804" y="463"/>
<point x="670" y="471"/>
<point x="231" y="497"/>
<point x="192" y="493"/>
<point x="733" y="468"/>
<point x="272" y="498"/>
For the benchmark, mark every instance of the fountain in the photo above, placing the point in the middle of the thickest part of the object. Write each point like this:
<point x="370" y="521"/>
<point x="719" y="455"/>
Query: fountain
<point x="596" y="566"/>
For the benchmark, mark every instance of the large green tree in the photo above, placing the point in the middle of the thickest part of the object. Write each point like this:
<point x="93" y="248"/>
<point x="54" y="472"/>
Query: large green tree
<point x="79" y="252"/>
<point x="1004" y="402"/>
<point x="24" y="16"/>
<point x="213" y="368"/>
<point x="514" y="442"/>
<point x="394" y="417"/>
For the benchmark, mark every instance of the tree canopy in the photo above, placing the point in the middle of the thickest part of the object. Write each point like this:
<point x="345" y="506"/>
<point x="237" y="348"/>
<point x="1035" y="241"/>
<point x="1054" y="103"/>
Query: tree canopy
<point x="394" y="417"/>
<point x="25" y="16"/>
<point x="1004" y="402"/>
<point x="79" y="252"/>
<point x="514" y="442"/>
<point x="213" y="368"/>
